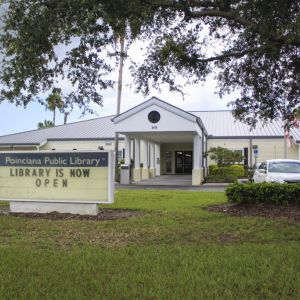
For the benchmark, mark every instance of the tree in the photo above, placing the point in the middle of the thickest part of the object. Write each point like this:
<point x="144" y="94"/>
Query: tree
<point x="32" y="30"/>
<point x="251" y="46"/>
<point x="45" y="124"/>
<point x="223" y="156"/>
<point x="54" y="101"/>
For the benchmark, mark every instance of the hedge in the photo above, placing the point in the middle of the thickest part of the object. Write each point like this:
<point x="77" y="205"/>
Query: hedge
<point x="263" y="193"/>
<point x="230" y="170"/>
<point x="234" y="170"/>
<point x="213" y="170"/>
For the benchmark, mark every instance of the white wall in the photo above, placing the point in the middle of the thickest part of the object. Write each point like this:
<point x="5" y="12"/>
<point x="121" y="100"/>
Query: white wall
<point x="169" y="122"/>
<point x="268" y="148"/>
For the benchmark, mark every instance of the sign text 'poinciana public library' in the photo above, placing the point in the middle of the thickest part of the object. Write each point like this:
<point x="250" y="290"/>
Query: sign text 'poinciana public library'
<point x="57" y="176"/>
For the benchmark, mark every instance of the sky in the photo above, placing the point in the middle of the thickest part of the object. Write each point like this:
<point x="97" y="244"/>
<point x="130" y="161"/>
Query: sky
<point x="197" y="97"/>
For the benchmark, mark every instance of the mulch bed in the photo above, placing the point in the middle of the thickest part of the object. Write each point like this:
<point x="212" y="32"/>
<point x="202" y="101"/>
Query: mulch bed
<point x="272" y="211"/>
<point x="103" y="215"/>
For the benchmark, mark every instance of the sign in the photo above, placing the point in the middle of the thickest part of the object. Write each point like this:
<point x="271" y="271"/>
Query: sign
<point x="85" y="177"/>
<point x="255" y="151"/>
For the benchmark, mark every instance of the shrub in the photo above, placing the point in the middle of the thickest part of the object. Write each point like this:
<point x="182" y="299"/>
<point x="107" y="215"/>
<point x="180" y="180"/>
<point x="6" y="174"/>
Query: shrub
<point x="213" y="170"/>
<point x="234" y="170"/>
<point x="263" y="193"/>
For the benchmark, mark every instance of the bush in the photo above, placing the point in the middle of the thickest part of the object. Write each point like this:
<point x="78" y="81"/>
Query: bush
<point x="213" y="170"/>
<point x="234" y="170"/>
<point x="248" y="171"/>
<point x="263" y="193"/>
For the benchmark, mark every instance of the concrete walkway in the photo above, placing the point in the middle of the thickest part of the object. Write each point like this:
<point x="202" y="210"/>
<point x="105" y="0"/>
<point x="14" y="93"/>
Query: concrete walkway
<point x="172" y="182"/>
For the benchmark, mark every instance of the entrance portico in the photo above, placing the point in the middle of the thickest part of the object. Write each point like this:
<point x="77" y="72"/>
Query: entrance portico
<point x="162" y="139"/>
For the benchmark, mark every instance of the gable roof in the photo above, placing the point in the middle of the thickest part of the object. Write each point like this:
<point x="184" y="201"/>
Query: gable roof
<point x="94" y="129"/>
<point x="165" y="105"/>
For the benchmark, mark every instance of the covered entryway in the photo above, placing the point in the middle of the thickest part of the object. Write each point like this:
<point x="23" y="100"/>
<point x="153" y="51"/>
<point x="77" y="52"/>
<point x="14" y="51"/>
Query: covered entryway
<point x="161" y="139"/>
<point x="183" y="162"/>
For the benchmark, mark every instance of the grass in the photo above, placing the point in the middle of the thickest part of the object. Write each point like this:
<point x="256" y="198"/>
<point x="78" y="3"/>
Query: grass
<point x="175" y="250"/>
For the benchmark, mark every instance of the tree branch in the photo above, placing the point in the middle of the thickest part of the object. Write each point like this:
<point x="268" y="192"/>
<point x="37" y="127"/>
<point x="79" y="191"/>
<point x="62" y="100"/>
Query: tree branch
<point x="246" y="23"/>
<point x="228" y="54"/>
<point x="223" y="14"/>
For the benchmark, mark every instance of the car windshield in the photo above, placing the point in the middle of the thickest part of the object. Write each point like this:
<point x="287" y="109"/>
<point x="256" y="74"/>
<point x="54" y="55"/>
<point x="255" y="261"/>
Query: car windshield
<point x="284" y="167"/>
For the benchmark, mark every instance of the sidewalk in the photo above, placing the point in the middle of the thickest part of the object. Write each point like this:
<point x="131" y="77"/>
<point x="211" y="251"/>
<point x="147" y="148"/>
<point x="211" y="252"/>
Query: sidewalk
<point x="208" y="187"/>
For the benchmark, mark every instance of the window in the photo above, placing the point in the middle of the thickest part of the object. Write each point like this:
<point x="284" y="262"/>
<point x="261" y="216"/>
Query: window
<point x="263" y="166"/>
<point x="240" y="154"/>
<point x="284" y="167"/>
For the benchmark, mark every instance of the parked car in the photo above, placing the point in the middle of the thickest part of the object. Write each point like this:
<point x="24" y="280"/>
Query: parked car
<point x="278" y="170"/>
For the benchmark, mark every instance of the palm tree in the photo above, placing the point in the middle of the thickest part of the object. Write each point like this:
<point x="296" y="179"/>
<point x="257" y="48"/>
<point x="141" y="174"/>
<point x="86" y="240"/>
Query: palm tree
<point x="45" y="124"/>
<point x="54" y="101"/>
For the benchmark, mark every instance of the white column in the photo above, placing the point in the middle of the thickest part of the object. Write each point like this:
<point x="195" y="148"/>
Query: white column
<point x="125" y="169"/>
<point x="144" y="151"/>
<point x="197" y="174"/>
<point x="157" y="159"/>
<point x="127" y="150"/>
<point x="137" y="157"/>
<point x="152" y="160"/>
<point x="137" y="161"/>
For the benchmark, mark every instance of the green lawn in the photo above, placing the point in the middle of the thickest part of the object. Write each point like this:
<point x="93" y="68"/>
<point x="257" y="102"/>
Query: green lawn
<point x="175" y="250"/>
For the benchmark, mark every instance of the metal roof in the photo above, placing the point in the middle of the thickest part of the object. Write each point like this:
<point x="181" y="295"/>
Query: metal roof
<point x="222" y="124"/>
<point x="94" y="129"/>
<point x="219" y="124"/>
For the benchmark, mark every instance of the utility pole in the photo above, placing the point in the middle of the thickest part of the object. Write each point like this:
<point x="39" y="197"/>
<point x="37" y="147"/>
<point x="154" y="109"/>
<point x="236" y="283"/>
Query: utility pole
<point x="120" y="85"/>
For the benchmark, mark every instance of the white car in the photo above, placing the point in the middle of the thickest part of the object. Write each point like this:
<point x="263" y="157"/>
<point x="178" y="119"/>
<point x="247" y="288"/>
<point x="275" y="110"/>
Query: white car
<point x="278" y="170"/>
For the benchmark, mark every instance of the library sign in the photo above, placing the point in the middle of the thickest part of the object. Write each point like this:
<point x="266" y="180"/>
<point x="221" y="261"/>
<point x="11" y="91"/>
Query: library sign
<point x="85" y="177"/>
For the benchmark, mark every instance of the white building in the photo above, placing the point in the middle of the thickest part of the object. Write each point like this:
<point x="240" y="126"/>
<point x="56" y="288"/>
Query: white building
<point x="159" y="138"/>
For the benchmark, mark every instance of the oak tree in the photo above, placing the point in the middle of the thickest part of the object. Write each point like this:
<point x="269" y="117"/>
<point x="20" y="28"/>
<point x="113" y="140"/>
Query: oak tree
<point x="252" y="47"/>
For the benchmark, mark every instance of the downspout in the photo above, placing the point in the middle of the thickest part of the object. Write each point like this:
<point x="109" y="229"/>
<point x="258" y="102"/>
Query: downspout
<point x="251" y="150"/>
<point x="202" y="137"/>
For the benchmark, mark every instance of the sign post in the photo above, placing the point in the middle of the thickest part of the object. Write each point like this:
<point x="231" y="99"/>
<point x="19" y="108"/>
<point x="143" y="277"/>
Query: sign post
<point x="66" y="182"/>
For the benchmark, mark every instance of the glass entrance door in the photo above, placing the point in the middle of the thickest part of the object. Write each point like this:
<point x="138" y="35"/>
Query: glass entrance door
<point x="183" y="162"/>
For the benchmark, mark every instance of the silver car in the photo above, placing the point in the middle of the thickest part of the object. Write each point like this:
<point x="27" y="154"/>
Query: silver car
<point x="278" y="170"/>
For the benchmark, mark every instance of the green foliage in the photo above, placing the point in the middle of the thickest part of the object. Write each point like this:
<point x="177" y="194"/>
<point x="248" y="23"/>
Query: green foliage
<point x="223" y="156"/>
<point x="226" y="174"/>
<point x="54" y="101"/>
<point x="45" y="124"/>
<point x="263" y="193"/>
<point x="31" y="31"/>
<point x="213" y="169"/>
<point x="235" y="170"/>
<point x="257" y="54"/>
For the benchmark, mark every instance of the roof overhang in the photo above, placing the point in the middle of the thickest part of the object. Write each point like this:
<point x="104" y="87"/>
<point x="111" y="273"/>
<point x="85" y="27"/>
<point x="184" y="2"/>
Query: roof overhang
<point x="21" y="145"/>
